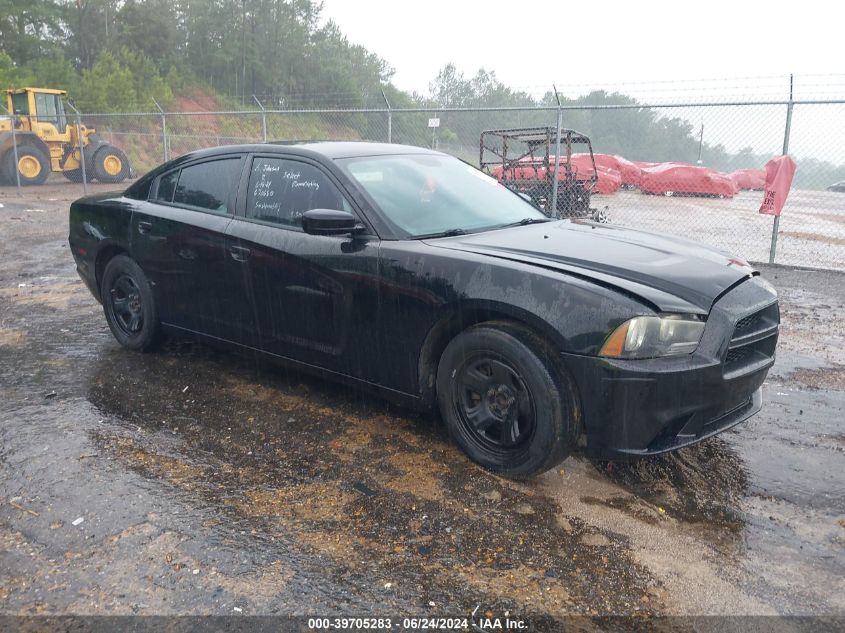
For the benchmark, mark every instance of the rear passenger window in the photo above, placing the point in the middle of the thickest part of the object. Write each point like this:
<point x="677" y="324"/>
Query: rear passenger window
<point x="281" y="190"/>
<point x="206" y="186"/>
<point x="166" y="187"/>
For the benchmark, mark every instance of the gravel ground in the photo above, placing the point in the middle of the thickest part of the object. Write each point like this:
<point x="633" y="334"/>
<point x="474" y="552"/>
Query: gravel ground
<point x="196" y="481"/>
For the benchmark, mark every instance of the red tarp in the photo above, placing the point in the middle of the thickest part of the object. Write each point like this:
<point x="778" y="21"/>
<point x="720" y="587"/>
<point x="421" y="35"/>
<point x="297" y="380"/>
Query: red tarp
<point x="749" y="178"/>
<point x="779" y="173"/>
<point x="689" y="179"/>
<point x="609" y="180"/>
<point x="631" y="173"/>
<point x="528" y="172"/>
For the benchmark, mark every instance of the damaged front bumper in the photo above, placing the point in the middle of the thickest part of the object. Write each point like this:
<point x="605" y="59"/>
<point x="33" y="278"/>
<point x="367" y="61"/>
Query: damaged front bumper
<point x="644" y="407"/>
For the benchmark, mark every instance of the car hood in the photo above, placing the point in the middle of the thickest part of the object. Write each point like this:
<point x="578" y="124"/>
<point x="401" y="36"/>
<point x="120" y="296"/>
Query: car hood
<point x="671" y="273"/>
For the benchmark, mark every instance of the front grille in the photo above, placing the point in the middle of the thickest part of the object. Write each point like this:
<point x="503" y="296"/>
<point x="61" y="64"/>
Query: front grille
<point x="747" y="323"/>
<point x="753" y="341"/>
<point x="736" y="355"/>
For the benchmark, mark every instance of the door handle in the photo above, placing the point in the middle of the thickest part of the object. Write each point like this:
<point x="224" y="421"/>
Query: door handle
<point x="239" y="253"/>
<point x="144" y="227"/>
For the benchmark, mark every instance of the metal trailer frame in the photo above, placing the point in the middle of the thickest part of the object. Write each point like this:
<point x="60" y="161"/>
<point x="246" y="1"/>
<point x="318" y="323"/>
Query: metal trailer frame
<point x="569" y="195"/>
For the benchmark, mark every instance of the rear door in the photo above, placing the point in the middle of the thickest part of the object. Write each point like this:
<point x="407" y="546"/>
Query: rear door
<point x="315" y="297"/>
<point x="178" y="237"/>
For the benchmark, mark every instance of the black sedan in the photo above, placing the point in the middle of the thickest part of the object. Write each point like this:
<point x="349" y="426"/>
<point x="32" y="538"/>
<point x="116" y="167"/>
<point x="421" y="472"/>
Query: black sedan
<point x="410" y="272"/>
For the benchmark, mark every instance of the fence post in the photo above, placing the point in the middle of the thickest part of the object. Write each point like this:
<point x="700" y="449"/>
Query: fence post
<point x="15" y="150"/>
<point x="263" y="119"/>
<point x="389" y="118"/>
<point x="557" y="154"/>
<point x="165" y="148"/>
<point x="81" y="147"/>
<point x="14" y="146"/>
<point x="786" y="132"/>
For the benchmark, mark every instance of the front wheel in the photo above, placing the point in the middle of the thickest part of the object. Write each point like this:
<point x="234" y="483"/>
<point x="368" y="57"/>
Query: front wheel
<point x="110" y="164"/>
<point x="129" y="305"/>
<point x="506" y="400"/>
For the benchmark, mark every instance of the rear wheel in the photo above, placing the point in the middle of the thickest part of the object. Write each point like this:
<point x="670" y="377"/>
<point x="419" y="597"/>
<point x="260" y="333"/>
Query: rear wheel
<point x="74" y="175"/>
<point x="601" y="216"/>
<point x="129" y="305"/>
<point x="110" y="164"/>
<point x="31" y="165"/>
<point x="506" y="400"/>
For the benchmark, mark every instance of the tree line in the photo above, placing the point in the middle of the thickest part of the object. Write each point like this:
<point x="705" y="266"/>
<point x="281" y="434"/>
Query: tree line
<point x="120" y="54"/>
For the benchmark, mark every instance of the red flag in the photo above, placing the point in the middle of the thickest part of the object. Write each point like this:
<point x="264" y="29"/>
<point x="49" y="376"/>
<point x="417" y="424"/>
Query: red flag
<point x="779" y="173"/>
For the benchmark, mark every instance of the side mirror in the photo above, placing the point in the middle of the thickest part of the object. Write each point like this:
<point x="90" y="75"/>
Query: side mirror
<point x="329" y="222"/>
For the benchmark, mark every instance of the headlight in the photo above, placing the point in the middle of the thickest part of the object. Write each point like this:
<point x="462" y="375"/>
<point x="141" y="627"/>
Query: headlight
<point x="651" y="336"/>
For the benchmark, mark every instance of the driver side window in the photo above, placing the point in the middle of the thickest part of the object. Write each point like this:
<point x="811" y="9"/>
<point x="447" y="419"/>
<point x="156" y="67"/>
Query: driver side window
<point x="281" y="190"/>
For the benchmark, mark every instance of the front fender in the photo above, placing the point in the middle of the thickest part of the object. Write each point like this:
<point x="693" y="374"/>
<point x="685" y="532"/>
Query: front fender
<point x="429" y="295"/>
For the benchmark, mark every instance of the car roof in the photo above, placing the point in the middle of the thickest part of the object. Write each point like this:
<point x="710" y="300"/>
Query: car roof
<point x="327" y="149"/>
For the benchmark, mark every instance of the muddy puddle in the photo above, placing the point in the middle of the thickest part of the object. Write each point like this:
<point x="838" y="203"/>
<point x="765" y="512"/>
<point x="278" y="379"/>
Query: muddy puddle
<point x="377" y="493"/>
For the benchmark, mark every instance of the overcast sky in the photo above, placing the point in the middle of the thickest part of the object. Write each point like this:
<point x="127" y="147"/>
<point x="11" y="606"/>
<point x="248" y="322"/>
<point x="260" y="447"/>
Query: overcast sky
<point x="657" y="52"/>
<point x="605" y="43"/>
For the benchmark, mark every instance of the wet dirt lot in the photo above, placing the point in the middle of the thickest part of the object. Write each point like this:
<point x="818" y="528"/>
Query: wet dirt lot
<point x="211" y="483"/>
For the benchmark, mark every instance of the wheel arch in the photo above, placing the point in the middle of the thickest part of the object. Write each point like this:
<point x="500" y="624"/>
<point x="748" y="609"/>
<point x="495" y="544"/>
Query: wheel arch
<point x="105" y="254"/>
<point x="94" y="141"/>
<point x="7" y="144"/>
<point x="458" y="319"/>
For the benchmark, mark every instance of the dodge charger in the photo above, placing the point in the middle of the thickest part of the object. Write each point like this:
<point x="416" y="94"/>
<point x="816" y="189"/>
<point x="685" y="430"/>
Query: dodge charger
<point x="409" y="272"/>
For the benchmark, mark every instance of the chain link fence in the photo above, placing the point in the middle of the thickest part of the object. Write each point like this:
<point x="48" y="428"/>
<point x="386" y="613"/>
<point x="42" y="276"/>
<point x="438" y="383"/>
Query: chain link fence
<point x="690" y="169"/>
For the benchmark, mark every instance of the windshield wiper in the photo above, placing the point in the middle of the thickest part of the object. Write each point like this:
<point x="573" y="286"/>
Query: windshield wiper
<point x="526" y="221"/>
<point x="447" y="233"/>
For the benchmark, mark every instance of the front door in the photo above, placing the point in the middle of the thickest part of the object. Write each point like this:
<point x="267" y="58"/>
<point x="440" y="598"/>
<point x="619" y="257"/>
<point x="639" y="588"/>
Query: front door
<point x="315" y="297"/>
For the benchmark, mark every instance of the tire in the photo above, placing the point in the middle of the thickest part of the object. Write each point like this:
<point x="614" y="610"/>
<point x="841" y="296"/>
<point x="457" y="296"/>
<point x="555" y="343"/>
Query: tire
<point x="33" y="165"/>
<point x="110" y="164"/>
<point x="506" y="399"/>
<point x="73" y="175"/>
<point x="601" y="216"/>
<point x="129" y="305"/>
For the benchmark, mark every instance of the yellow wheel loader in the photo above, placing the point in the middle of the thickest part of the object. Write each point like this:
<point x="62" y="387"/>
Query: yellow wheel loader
<point x="47" y="142"/>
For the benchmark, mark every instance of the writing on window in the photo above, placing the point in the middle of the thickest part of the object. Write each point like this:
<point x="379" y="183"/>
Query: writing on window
<point x="282" y="190"/>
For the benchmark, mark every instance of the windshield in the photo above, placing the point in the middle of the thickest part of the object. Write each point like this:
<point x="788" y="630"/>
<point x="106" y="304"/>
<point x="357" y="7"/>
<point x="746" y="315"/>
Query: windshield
<point x="428" y="194"/>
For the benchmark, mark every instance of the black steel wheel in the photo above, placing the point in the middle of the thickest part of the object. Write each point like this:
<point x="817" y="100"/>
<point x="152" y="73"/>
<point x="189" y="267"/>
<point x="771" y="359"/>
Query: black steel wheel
<point x="129" y="305"/>
<point x="506" y="401"/>
<point x="493" y="404"/>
